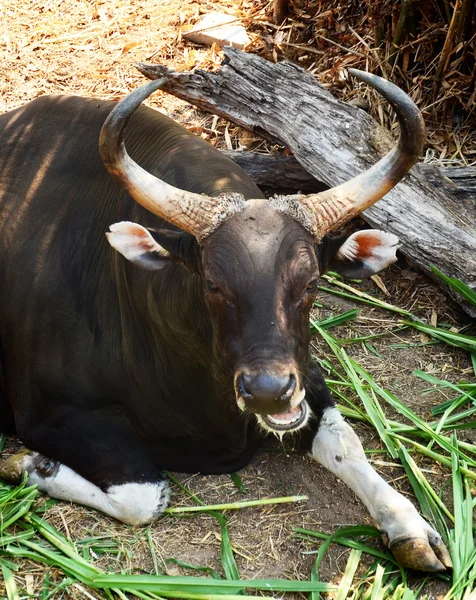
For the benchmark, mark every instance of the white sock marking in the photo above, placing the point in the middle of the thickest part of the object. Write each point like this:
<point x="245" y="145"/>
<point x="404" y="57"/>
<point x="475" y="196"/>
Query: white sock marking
<point x="338" y="448"/>
<point x="130" y="503"/>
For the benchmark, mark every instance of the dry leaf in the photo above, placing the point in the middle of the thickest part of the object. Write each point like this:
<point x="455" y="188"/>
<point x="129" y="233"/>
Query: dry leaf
<point x="380" y="284"/>
<point x="128" y="47"/>
<point x="424" y="338"/>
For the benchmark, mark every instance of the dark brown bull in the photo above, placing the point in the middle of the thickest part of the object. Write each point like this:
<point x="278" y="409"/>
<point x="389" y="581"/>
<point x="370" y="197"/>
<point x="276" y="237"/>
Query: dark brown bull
<point x="115" y="372"/>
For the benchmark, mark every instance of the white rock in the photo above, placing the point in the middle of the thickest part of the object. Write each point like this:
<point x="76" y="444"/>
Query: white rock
<point x="218" y="28"/>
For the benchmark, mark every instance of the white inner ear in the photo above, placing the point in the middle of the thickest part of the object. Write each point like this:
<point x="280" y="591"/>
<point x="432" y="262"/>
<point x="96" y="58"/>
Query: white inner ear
<point x="373" y="247"/>
<point x="133" y="241"/>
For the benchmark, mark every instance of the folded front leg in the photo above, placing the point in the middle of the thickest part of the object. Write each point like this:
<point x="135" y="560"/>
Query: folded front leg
<point x="413" y="542"/>
<point x="95" y="460"/>
<point x="133" y="503"/>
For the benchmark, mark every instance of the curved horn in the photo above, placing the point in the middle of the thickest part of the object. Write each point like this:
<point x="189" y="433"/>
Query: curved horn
<point x="334" y="207"/>
<point x="196" y="213"/>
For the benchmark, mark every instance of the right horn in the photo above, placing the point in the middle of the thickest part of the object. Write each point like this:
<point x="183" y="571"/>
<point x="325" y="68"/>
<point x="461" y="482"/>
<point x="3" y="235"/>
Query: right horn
<point x="338" y="205"/>
<point x="198" y="214"/>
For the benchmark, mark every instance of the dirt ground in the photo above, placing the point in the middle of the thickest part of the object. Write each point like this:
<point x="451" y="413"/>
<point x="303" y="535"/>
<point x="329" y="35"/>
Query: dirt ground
<point x="88" y="47"/>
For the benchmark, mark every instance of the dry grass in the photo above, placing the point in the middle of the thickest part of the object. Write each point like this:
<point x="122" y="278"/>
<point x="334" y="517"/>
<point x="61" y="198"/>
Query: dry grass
<point x="89" y="47"/>
<point x="432" y="59"/>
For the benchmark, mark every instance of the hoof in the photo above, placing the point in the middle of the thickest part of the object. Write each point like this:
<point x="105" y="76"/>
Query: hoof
<point x="419" y="554"/>
<point x="13" y="468"/>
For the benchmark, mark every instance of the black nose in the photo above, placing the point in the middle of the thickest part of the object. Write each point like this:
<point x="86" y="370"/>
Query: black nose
<point x="265" y="388"/>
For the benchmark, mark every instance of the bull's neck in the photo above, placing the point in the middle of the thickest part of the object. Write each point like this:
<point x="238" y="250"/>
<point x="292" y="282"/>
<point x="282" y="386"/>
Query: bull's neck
<point x="168" y="312"/>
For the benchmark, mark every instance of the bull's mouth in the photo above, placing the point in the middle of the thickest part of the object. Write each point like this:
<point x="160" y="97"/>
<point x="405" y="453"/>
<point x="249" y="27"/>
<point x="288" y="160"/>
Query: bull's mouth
<point x="288" y="421"/>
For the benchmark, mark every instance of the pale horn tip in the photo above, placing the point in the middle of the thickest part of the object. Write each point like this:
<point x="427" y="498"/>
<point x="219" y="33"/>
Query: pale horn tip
<point x="411" y="121"/>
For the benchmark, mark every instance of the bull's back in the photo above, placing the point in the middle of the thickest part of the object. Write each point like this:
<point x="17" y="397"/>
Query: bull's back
<point x="56" y="197"/>
<point x="49" y="157"/>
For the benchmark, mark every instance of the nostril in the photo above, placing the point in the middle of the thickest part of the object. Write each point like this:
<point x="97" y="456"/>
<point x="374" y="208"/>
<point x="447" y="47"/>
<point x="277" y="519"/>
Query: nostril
<point x="288" y="394"/>
<point x="242" y="381"/>
<point x="266" y="387"/>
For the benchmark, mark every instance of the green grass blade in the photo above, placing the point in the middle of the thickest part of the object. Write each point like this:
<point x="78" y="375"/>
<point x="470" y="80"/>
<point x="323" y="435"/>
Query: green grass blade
<point x="153" y="553"/>
<point x="342" y="537"/>
<point x="238" y="482"/>
<point x="409" y="414"/>
<point x="432" y="507"/>
<point x="15" y="503"/>
<point x="348" y="576"/>
<point x="184" y="565"/>
<point x="164" y="584"/>
<point x="233" y="505"/>
<point x="465" y="291"/>
<point x="434" y="455"/>
<point x="360" y="296"/>
<point x="334" y="321"/>
<point x="372" y="408"/>
<point x="10" y="585"/>
<point x="227" y="557"/>
<point x="377" y="591"/>
<point x="315" y="568"/>
<point x="460" y="340"/>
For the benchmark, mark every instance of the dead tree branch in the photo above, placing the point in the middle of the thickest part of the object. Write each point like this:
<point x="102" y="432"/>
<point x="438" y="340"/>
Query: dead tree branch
<point x="334" y="142"/>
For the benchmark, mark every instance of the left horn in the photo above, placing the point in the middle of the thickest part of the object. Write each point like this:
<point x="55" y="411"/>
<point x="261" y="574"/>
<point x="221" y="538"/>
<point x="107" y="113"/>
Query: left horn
<point x="195" y="213"/>
<point x="334" y="207"/>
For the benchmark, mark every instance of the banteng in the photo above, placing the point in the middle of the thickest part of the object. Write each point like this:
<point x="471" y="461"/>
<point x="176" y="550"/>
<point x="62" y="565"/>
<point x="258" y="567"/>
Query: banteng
<point x="189" y="342"/>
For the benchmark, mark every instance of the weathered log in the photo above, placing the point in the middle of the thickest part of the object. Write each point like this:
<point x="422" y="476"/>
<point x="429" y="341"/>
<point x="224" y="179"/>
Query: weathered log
<point x="276" y="173"/>
<point x="334" y="141"/>
<point x="279" y="173"/>
<point x="462" y="181"/>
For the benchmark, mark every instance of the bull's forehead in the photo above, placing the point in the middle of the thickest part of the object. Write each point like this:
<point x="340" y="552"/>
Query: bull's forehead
<point x="258" y="240"/>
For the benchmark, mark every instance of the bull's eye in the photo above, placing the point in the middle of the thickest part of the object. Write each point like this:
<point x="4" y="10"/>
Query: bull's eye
<point x="212" y="287"/>
<point x="312" y="286"/>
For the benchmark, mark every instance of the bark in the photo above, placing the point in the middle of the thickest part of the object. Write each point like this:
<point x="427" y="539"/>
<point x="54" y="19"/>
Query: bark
<point x="334" y="141"/>
<point x="276" y="173"/>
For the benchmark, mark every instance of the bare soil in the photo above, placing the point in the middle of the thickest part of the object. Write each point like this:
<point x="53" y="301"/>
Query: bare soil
<point x="88" y="47"/>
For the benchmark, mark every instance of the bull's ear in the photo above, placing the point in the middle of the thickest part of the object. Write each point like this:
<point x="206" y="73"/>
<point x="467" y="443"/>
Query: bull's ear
<point x="152" y="249"/>
<point x="359" y="255"/>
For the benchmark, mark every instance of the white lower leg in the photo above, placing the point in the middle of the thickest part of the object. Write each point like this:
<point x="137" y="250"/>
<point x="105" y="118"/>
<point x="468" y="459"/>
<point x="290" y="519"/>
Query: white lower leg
<point x="130" y="503"/>
<point x="337" y="448"/>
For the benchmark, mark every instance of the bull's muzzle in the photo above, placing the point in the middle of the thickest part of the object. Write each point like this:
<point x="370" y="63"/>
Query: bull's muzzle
<point x="275" y="399"/>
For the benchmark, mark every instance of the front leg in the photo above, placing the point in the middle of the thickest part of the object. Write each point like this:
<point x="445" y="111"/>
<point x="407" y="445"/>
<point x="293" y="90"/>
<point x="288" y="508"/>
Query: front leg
<point x="335" y="445"/>
<point x="412" y="541"/>
<point x="95" y="460"/>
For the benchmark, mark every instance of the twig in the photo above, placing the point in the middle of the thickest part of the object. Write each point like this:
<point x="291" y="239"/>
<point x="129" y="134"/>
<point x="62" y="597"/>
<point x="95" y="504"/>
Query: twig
<point x="302" y="47"/>
<point x="399" y="31"/>
<point x="373" y="51"/>
<point x="338" y="45"/>
<point x="447" y="48"/>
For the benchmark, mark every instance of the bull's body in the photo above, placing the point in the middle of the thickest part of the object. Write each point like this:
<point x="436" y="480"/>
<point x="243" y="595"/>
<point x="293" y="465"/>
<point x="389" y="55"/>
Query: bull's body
<point x="114" y="372"/>
<point x="83" y="330"/>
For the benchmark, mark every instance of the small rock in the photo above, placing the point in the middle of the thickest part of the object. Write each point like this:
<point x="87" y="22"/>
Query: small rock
<point x="218" y="28"/>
